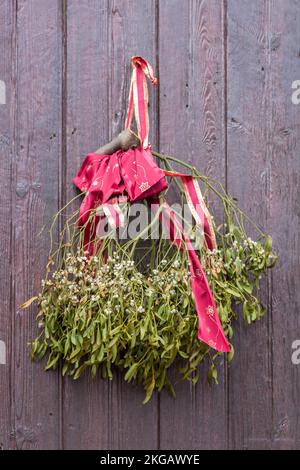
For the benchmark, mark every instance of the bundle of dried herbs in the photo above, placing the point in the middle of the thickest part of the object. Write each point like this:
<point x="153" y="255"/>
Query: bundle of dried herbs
<point x="112" y="311"/>
<point x="139" y="303"/>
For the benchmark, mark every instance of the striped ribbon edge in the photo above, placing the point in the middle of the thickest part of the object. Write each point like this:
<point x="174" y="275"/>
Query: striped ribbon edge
<point x="196" y="271"/>
<point x="138" y="97"/>
<point x="197" y="206"/>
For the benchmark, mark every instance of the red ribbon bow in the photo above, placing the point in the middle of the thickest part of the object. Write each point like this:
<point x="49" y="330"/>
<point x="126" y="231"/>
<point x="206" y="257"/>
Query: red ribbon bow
<point x="135" y="174"/>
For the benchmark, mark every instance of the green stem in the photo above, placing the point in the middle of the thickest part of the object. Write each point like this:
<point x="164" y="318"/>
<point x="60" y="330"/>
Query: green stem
<point x="225" y="198"/>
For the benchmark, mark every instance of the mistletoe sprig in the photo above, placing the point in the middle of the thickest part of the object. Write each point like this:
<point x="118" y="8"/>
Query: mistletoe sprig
<point x="110" y="311"/>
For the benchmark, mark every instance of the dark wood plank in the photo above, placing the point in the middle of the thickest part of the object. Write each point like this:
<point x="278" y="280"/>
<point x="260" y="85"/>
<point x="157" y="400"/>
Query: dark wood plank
<point x="248" y="118"/>
<point x="133" y="32"/>
<point x="7" y="102"/>
<point x="192" y="127"/>
<point x="101" y="38"/>
<point x="66" y="69"/>
<point x="34" y="393"/>
<point x="283" y="220"/>
<point x="85" y="402"/>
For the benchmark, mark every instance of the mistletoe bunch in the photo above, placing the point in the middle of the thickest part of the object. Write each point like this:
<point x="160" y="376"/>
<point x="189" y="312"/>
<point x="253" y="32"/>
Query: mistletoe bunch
<point x="131" y="308"/>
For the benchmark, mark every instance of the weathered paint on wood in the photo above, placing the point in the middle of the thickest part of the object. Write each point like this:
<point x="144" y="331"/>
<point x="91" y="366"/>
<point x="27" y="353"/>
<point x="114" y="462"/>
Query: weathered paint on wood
<point x="224" y="103"/>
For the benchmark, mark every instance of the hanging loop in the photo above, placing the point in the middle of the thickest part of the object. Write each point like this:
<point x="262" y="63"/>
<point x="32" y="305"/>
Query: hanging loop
<point x="138" y="97"/>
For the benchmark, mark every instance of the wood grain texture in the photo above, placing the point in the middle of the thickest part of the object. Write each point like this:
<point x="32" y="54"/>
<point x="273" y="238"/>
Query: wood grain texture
<point x="248" y="170"/>
<point x="283" y="221"/>
<point x="86" y="422"/>
<point x="101" y="38"/>
<point x="192" y="127"/>
<point x="225" y="72"/>
<point x="132" y="32"/>
<point x="7" y="50"/>
<point x="35" y="163"/>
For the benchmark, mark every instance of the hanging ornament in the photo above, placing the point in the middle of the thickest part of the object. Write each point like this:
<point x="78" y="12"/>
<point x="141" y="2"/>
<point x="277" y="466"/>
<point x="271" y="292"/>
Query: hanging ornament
<point x="137" y="303"/>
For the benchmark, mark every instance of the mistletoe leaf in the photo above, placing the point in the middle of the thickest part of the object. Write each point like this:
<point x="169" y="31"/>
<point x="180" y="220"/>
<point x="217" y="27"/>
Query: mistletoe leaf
<point x="112" y="310"/>
<point x="149" y="391"/>
<point x="131" y="372"/>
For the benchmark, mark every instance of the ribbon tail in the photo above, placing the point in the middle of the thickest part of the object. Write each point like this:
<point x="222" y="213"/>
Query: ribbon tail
<point x="210" y="330"/>
<point x="197" y="207"/>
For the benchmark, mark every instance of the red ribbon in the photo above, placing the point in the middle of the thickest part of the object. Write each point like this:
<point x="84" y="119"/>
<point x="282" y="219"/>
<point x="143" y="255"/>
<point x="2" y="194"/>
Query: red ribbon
<point x="138" y="97"/>
<point x="135" y="174"/>
<point x="210" y="330"/>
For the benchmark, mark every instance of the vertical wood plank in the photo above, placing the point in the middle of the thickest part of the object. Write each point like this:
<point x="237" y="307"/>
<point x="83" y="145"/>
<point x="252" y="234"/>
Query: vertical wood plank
<point x="192" y="127"/>
<point x="284" y="221"/>
<point x="86" y="422"/>
<point x="35" y="394"/>
<point x="7" y="84"/>
<point x="101" y="38"/>
<point x="248" y="125"/>
<point x="132" y="32"/>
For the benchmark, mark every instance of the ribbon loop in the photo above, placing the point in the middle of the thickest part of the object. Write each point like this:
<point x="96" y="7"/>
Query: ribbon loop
<point x="138" y="97"/>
